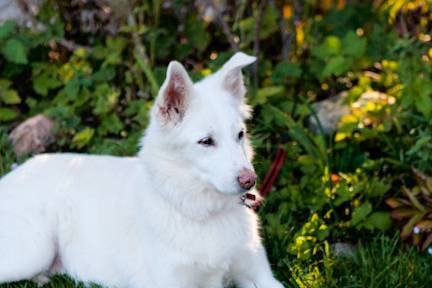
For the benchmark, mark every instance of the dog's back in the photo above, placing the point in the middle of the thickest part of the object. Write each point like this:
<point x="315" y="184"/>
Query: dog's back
<point x="67" y="204"/>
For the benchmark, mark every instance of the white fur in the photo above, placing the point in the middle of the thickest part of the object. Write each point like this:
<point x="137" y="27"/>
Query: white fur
<point x="169" y="217"/>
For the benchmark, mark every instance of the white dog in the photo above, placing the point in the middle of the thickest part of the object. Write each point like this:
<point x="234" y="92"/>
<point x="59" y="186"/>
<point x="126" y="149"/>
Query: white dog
<point x="169" y="217"/>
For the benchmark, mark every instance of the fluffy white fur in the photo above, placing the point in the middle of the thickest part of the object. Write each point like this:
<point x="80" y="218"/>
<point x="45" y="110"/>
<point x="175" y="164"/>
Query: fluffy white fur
<point x="169" y="217"/>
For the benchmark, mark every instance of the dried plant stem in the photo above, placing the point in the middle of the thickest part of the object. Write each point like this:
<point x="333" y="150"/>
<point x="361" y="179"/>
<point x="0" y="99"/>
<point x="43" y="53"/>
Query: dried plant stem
<point x="142" y="58"/>
<point x="224" y="25"/>
<point x="261" y="6"/>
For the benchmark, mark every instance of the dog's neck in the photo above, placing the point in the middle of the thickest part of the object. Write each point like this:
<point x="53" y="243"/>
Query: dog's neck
<point x="185" y="193"/>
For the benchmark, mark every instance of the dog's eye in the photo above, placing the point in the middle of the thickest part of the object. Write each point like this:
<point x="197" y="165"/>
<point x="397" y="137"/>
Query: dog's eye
<point x="241" y="135"/>
<point x="207" y="141"/>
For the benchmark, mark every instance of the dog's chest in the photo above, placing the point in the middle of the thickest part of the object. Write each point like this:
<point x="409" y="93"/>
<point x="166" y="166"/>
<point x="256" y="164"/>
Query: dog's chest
<point x="209" y="244"/>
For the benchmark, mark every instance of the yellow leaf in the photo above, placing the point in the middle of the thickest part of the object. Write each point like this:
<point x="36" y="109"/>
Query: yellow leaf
<point x="287" y="11"/>
<point x="326" y="4"/>
<point x="299" y="33"/>
<point x="83" y="137"/>
<point x="340" y="136"/>
<point x="206" y="72"/>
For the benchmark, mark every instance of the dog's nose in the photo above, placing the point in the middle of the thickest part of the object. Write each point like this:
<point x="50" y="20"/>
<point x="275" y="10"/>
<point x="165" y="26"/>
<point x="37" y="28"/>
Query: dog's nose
<point x="247" y="178"/>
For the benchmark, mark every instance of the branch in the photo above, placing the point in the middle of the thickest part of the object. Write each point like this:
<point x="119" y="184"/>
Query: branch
<point x="225" y="27"/>
<point x="286" y="37"/>
<point x="72" y="46"/>
<point x="257" y="39"/>
<point x="141" y="56"/>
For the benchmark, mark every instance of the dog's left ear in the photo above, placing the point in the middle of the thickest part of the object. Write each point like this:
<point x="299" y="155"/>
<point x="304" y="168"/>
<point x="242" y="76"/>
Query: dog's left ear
<point x="232" y="78"/>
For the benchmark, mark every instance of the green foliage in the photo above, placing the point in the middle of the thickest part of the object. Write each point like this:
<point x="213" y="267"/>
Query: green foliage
<point x="337" y="56"/>
<point x="14" y="51"/>
<point x="376" y="54"/>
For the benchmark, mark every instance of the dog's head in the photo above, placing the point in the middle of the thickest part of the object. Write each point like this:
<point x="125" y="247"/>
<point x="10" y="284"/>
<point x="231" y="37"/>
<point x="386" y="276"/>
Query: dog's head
<point x="201" y="126"/>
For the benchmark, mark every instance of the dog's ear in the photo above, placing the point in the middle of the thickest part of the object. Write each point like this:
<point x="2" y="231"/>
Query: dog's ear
<point x="173" y="97"/>
<point x="232" y="78"/>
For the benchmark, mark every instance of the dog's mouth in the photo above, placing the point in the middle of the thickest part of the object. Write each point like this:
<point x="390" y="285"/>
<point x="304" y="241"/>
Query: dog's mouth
<point x="249" y="200"/>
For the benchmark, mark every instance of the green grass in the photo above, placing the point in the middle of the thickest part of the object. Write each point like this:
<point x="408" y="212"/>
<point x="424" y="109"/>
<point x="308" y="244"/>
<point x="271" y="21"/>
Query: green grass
<point x="56" y="282"/>
<point x="383" y="262"/>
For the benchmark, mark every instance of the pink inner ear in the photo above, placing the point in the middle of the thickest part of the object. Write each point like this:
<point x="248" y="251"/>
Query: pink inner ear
<point x="234" y="82"/>
<point x="175" y="93"/>
<point x="174" y="103"/>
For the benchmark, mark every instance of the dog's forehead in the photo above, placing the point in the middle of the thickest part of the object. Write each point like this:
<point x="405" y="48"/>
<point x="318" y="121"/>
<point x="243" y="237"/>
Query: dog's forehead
<point x="213" y="108"/>
<point x="215" y="99"/>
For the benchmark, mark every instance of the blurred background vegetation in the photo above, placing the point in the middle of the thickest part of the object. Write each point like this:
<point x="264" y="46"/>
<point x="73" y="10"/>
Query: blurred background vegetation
<point x="344" y="87"/>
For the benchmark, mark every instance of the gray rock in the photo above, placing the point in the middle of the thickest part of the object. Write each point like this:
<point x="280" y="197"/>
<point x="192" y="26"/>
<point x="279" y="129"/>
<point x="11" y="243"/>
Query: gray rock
<point x="33" y="135"/>
<point x="340" y="249"/>
<point x="329" y="112"/>
<point x="22" y="11"/>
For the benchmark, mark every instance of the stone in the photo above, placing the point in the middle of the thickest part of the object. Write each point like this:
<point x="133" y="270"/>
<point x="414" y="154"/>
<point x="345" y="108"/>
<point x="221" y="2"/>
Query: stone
<point x="328" y="112"/>
<point x="33" y="135"/>
<point x="22" y="11"/>
<point x="340" y="249"/>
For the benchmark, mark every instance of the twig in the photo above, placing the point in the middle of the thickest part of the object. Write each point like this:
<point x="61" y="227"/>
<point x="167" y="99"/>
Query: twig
<point x="141" y="56"/>
<point x="261" y="6"/>
<point x="286" y="37"/>
<point x="71" y="46"/>
<point x="296" y="17"/>
<point x="239" y="12"/>
<point x="225" y="27"/>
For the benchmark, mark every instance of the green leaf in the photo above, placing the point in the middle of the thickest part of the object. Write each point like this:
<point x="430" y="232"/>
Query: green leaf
<point x="6" y="29"/>
<point x="354" y="46"/>
<point x="344" y="194"/>
<point x="72" y="88"/>
<point x="337" y="66"/>
<point x="377" y="188"/>
<point x="10" y="97"/>
<point x="266" y="92"/>
<point x="297" y="132"/>
<point x="331" y="47"/>
<point x="196" y="33"/>
<point x="286" y="69"/>
<point x="378" y="220"/>
<point x="44" y="82"/>
<point x="268" y="22"/>
<point x="423" y="98"/>
<point x="110" y="124"/>
<point x="83" y="137"/>
<point x="104" y="74"/>
<point x="14" y="51"/>
<point x="7" y="114"/>
<point x="106" y="98"/>
<point x="361" y="212"/>
<point x="5" y="84"/>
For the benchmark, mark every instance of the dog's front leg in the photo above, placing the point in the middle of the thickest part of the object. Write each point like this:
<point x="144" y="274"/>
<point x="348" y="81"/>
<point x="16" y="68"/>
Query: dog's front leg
<point x="251" y="269"/>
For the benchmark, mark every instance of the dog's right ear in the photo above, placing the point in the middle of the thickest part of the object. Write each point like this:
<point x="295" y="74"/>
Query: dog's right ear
<point x="173" y="96"/>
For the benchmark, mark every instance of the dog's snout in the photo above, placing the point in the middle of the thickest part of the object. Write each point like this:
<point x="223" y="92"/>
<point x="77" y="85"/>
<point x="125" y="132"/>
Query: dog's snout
<point x="247" y="178"/>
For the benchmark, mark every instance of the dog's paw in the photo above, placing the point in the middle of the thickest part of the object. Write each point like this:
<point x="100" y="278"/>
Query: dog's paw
<point x="41" y="279"/>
